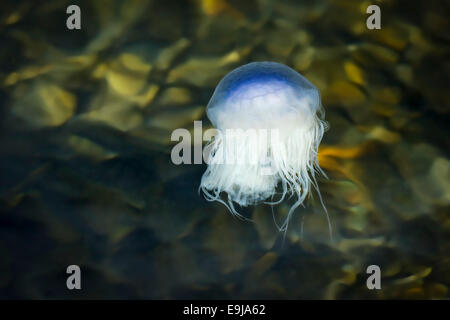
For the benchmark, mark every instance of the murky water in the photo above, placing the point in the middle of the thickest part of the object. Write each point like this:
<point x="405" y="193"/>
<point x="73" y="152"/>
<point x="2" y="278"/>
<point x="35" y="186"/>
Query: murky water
<point x="86" y="175"/>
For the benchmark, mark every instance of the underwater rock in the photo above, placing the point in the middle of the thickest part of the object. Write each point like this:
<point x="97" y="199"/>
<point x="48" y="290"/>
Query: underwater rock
<point x="127" y="76"/>
<point x="224" y="239"/>
<point x="342" y="93"/>
<point x="86" y="147"/>
<point x="123" y="84"/>
<point x="264" y="264"/>
<point x="303" y="59"/>
<point x="382" y="134"/>
<point x="224" y="31"/>
<point x="198" y="72"/>
<point x="132" y="258"/>
<point x="357" y="219"/>
<point x="168" y="54"/>
<point x="400" y="117"/>
<point x="281" y="40"/>
<point x="386" y="95"/>
<point x="267" y="232"/>
<point x="368" y="54"/>
<point x="175" y="118"/>
<point x="114" y="22"/>
<point x="346" y="278"/>
<point x="114" y="110"/>
<point x="394" y="37"/>
<point x="405" y="73"/>
<point x="354" y="73"/>
<point x="43" y="104"/>
<point x="426" y="170"/>
<point x="174" y="96"/>
<point x="167" y="20"/>
<point x="433" y="81"/>
<point x="175" y="266"/>
<point x="206" y="71"/>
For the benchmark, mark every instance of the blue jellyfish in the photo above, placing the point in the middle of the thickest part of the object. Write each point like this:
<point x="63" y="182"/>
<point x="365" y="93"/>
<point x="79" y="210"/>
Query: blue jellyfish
<point x="269" y="122"/>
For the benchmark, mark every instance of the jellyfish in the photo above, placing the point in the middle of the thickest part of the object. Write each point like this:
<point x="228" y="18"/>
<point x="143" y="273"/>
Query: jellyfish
<point x="269" y="121"/>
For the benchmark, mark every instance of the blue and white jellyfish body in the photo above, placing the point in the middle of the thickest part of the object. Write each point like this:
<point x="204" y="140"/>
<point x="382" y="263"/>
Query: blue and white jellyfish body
<point x="269" y="122"/>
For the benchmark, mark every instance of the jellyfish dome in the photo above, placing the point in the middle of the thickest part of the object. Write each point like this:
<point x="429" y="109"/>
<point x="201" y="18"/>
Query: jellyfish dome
<point x="269" y="122"/>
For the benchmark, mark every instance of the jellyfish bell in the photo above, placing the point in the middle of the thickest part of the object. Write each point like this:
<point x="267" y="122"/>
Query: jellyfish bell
<point x="269" y="122"/>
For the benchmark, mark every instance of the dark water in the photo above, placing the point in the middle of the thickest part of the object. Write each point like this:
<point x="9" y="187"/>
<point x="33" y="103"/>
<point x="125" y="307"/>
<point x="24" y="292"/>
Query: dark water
<point x="86" y="175"/>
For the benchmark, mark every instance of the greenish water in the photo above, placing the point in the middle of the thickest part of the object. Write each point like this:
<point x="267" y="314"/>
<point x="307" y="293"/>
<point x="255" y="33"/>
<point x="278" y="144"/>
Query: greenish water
<point x="85" y="170"/>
